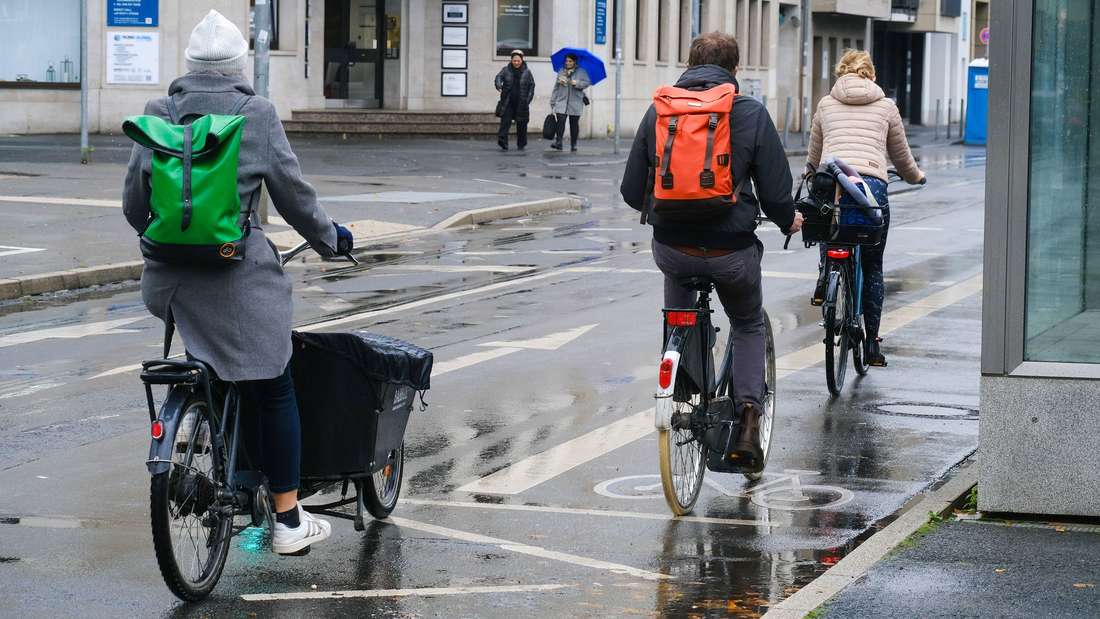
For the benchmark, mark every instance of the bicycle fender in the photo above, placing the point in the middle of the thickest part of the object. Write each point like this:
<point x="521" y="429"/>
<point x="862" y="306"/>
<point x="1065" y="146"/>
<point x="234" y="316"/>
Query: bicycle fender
<point x="662" y="413"/>
<point x="160" y="450"/>
<point x="831" y="288"/>
<point x="680" y="340"/>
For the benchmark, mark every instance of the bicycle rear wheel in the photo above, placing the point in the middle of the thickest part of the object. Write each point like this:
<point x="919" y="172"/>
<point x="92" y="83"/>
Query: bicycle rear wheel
<point x="767" y="419"/>
<point x="683" y="459"/>
<point x="859" y="346"/>
<point x="191" y="535"/>
<point x="836" y="330"/>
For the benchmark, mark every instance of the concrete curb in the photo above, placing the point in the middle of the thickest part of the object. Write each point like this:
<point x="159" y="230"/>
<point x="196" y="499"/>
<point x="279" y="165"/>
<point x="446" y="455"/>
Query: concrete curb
<point x="852" y="567"/>
<point x="17" y="287"/>
<point x="509" y="211"/>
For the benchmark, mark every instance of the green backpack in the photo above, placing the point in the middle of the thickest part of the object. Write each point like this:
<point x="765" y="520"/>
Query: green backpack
<point x="196" y="211"/>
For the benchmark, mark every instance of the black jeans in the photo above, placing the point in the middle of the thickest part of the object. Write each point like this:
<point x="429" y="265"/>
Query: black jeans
<point x="271" y="431"/>
<point x="574" y="127"/>
<point x="510" y="114"/>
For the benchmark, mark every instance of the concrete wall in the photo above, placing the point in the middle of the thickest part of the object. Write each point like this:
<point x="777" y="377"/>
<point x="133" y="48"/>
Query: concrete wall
<point x="1038" y="443"/>
<point x="830" y="33"/>
<point x="944" y="80"/>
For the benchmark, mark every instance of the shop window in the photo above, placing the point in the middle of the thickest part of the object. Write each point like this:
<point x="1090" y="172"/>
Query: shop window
<point x="685" y="29"/>
<point x="1062" y="318"/>
<point x="43" y="57"/>
<point x="518" y="26"/>
<point x="662" y="29"/>
<point x="641" y="30"/>
<point x="274" y="5"/>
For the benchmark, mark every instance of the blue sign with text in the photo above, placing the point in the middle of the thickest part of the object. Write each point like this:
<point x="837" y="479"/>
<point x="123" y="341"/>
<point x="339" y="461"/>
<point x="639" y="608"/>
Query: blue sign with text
<point x="601" y="22"/>
<point x="128" y="13"/>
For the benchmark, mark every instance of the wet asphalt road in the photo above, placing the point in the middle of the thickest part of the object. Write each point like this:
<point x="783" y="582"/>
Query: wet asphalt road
<point x="546" y="336"/>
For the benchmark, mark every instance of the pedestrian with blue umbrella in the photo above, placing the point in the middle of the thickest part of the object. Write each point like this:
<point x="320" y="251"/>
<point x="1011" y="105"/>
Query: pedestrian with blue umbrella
<point x="577" y="70"/>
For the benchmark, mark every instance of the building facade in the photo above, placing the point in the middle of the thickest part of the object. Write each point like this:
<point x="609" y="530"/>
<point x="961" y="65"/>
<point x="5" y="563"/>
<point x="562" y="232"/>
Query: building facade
<point x="1040" y="384"/>
<point x="418" y="55"/>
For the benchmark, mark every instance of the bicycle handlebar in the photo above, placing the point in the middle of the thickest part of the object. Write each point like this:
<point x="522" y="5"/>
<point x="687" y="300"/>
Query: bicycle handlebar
<point x="288" y="255"/>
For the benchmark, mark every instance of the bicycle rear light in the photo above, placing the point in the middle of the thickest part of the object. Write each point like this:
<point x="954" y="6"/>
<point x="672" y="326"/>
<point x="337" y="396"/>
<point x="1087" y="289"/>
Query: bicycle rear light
<point x="664" y="376"/>
<point x="839" y="254"/>
<point x="681" y="319"/>
<point x="157" y="431"/>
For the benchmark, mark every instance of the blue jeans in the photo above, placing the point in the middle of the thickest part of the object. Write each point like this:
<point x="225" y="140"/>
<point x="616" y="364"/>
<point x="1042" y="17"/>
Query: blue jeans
<point x="271" y="431"/>
<point x="874" y="286"/>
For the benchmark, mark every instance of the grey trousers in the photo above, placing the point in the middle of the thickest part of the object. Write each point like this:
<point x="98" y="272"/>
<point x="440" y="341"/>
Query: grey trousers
<point x="737" y="281"/>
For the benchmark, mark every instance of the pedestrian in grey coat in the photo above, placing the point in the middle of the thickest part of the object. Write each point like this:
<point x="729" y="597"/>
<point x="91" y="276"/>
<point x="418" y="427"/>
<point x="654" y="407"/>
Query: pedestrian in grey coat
<point x="237" y="318"/>
<point x="567" y="100"/>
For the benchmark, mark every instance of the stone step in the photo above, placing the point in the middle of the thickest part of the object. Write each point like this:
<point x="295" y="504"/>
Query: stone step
<point x="390" y="128"/>
<point x="376" y="116"/>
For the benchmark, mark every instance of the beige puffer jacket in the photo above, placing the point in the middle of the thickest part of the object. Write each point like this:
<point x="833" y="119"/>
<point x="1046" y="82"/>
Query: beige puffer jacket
<point x="859" y="125"/>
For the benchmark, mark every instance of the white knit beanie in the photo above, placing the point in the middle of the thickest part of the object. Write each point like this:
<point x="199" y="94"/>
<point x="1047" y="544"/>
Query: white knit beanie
<point x="216" y="45"/>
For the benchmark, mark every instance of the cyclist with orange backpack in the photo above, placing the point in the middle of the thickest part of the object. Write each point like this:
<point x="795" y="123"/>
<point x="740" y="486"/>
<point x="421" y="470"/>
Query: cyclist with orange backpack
<point x="688" y="171"/>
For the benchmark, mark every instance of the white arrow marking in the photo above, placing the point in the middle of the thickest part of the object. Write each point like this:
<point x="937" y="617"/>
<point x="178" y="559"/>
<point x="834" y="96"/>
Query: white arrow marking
<point x="553" y="341"/>
<point x="107" y="327"/>
<point x="9" y="250"/>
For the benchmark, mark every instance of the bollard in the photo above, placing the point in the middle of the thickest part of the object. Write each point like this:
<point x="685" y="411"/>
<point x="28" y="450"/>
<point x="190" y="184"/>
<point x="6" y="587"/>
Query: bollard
<point x="787" y="124"/>
<point x="962" y="119"/>
<point x="936" y="120"/>
<point x="950" y="106"/>
<point x="805" y="119"/>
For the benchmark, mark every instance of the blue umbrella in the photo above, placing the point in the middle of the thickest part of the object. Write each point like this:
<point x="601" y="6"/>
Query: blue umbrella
<point x="586" y="60"/>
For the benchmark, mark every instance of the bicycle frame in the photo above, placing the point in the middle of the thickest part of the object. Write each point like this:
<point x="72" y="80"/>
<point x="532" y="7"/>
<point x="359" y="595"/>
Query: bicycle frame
<point x="853" y="266"/>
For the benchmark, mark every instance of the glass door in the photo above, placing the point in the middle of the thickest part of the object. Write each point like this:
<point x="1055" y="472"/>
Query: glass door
<point x="355" y="31"/>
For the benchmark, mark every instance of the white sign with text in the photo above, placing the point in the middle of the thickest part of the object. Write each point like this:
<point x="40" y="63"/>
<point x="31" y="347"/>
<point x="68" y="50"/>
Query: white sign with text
<point x="133" y="58"/>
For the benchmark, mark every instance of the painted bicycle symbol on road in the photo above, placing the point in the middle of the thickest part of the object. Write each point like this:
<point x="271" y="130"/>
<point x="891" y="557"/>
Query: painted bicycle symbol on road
<point x="777" y="491"/>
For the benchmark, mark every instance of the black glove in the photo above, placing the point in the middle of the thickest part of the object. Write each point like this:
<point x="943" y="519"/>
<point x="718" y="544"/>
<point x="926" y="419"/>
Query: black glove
<point x="345" y="242"/>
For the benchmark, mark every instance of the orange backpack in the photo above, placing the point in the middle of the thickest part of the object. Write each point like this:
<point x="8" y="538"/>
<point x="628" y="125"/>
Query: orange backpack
<point x="693" y="180"/>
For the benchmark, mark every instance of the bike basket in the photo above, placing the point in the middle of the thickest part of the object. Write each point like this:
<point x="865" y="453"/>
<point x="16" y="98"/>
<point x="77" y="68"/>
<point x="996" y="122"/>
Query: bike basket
<point x="817" y="221"/>
<point x="355" y="393"/>
<point x="858" y="226"/>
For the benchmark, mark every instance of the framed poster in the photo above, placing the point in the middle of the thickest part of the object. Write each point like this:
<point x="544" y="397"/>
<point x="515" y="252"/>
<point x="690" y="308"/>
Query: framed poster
<point x="131" y="13"/>
<point x="456" y="36"/>
<point x="455" y="13"/>
<point x="133" y="57"/>
<point x="454" y="58"/>
<point x="453" y="85"/>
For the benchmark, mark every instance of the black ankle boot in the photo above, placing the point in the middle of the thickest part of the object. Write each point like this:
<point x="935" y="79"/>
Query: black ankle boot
<point x="747" y="450"/>
<point x="819" y="290"/>
<point x="875" y="358"/>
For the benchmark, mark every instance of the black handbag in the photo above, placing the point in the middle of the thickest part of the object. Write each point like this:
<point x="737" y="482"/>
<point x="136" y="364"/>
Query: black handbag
<point x="584" y="99"/>
<point x="549" y="126"/>
<point x="499" y="113"/>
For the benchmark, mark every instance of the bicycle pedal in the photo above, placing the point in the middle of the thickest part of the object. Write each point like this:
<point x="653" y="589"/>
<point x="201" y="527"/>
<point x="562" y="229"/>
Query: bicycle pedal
<point x="300" y="553"/>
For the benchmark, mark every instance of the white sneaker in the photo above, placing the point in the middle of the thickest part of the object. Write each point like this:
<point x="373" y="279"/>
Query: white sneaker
<point x="286" y="540"/>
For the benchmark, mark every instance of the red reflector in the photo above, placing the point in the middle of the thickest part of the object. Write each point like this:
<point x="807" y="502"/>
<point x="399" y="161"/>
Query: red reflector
<point x="839" y="253"/>
<point x="157" y="430"/>
<point x="664" y="376"/>
<point x="682" y="319"/>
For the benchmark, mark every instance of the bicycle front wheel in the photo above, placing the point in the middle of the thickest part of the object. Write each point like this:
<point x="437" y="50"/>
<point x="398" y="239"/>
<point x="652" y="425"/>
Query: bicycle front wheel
<point x="767" y="419"/>
<point x="683" y="461"/>
<point x="191" y="535"/>
<point x="836" y="330"/>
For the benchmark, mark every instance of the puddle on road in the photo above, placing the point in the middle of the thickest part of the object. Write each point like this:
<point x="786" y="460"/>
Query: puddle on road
<point x="927" y="411"/>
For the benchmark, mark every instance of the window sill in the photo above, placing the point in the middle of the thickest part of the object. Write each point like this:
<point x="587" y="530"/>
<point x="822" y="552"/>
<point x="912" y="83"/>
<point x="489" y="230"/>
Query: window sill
<point x="41" y="85"/>
<point x="661" y="63"/>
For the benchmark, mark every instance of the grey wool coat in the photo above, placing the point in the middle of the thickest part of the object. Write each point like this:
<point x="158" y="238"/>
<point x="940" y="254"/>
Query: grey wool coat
<point x="567" y="98"/>
<point x="236" y="318"/>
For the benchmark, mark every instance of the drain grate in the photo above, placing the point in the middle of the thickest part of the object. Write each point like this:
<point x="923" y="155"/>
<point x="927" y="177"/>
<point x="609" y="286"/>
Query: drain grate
<point x="927" y="410"/>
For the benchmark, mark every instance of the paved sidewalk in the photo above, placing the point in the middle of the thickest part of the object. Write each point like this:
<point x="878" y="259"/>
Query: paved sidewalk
<point x="984" y="568"/>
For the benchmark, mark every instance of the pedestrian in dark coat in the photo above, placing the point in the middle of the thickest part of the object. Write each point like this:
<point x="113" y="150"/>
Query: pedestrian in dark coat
<point x="517" y="88"/>
<point x="237" y="318"/>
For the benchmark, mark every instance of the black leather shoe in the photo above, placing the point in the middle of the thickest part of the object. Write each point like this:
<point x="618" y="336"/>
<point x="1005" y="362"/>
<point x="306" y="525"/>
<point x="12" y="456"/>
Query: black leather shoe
<point x="556" y="146"/>
<point x="819" y="290"/>
<point x="875" y="358"/>
<point x="502" y="144"/>
<point x="747" y="450"/>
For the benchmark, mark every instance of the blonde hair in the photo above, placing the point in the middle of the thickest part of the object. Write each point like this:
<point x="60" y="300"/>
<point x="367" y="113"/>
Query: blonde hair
<point x="858" y="62"/>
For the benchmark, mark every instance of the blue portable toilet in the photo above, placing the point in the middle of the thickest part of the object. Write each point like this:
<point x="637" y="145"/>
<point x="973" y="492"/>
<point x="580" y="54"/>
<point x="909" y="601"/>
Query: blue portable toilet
<point x="977" y="96"/>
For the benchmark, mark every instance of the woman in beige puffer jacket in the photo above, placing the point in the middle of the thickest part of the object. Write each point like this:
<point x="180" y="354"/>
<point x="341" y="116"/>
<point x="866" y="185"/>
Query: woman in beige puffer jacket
<point x="859" y="125"/>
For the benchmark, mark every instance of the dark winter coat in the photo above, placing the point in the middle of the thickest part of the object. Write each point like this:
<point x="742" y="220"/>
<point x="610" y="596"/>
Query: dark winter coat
<point x="757" y="154"/>
<point x="519" y="94"/>
<point x="236" y="318"/>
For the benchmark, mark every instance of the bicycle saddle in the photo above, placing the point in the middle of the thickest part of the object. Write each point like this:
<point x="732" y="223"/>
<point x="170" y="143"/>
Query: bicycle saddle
<point x="698" y="283"/>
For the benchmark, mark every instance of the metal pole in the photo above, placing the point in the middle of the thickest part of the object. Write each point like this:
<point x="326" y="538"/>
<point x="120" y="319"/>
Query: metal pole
<point x="962" y="119"/>
<point x="805" y="119"/>
<point x="787" y="124"/>
<point x="85" y="150"/>
<point x="950" y="107"/>
<point x="261" y="35"/>
<point x="936" y="120"/>
<point x="618" y="71"/>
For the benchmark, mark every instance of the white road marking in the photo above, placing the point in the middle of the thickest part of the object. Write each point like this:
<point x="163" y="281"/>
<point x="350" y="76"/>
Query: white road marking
<point x="29" y="390"/>
<point x="485" y="180"/>
<point x="608" y="230"/>
<point x="525" y="229"/>
<point x="553" y="341"/>
<point x="577" y="252"/>
<point x="362" y="229"/>
<point x="62" y="201"/>
<point x="789" y="275"/>
<point x="607" y="513"/>
<point x="920" y="228"/>
<point x="924" y="253"/>
<point x="499" y="252"/>
<point x="396" y="593"/>
<point x="331" y="302"/>
<point x="466" y="361"/>
<point x="12" y="251"/>
<point x="405" y="197"/>
<point x="534" y="470"/>
<point x="527" y="549"/>
<point x="455" y="268"/>
<point x="107" y="327"/>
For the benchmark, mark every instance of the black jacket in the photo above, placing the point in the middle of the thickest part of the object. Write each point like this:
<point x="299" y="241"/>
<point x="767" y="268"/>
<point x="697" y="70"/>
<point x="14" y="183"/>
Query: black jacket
<point x="757" y="153"/>
<point x="520" y="94"/>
